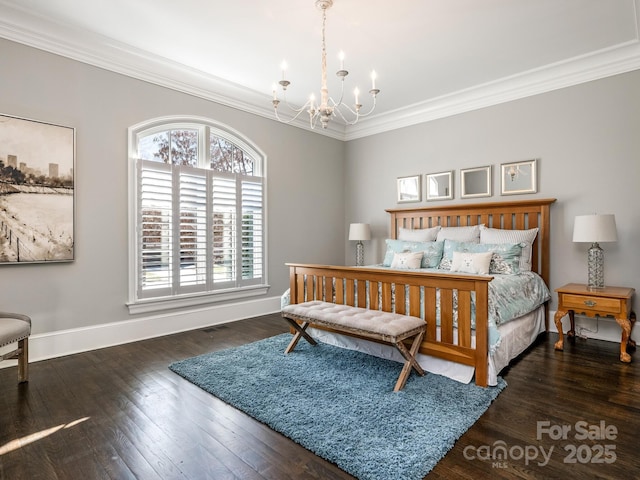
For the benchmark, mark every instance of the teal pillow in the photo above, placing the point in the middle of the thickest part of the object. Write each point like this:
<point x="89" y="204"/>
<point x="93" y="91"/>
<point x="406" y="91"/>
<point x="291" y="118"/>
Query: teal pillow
<point x="432" y="251"/>
<point x="505" y="259"/>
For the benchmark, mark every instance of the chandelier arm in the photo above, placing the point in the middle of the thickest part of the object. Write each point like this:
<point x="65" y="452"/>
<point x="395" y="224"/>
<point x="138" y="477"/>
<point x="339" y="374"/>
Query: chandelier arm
<point x="339" y="113"/>
<point x="286" y="121"/>
<point x="356" y="113"/>
<point x="297" y="113"/>
<point x="313" y="119"/>
<point x="341" y="95"/>
<point x="339" y="106"/>
<point x="297" y="110"/>
<point x="371" y="110"/>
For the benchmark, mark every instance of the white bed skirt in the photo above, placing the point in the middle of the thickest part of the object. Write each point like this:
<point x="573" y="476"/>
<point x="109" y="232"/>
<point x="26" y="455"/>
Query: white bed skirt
<point x="515" y="337"/>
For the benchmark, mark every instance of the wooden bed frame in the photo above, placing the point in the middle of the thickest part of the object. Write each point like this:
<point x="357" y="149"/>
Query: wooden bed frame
<point x="371" y="287"/>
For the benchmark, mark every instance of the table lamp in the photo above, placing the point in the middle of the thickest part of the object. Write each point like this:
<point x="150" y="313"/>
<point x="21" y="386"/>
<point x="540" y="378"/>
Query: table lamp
<point x="359" y="232"/>
<point x="595" y="229"/>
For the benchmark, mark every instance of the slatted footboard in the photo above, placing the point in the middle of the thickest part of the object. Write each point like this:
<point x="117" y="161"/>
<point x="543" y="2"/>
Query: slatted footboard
<point x="412" y="293"/>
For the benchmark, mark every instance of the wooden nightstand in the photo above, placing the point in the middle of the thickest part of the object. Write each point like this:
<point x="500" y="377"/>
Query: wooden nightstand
<point x="603" y="302"/>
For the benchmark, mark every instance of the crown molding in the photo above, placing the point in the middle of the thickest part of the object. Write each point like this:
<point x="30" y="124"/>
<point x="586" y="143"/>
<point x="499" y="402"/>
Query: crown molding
<point x="594" y="66"/>
<point x="24" y="27"/>
<point x="607" y="62"/>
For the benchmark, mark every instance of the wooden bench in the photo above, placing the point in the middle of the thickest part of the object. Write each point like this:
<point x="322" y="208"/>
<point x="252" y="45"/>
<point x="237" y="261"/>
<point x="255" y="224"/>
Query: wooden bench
<point x="376" y="325"/>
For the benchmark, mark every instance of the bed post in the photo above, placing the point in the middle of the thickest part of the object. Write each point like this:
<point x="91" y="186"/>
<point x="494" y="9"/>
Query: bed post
<point x="482" y="334"/>
<point x="545" y="245"/>
<point x="293" y="284"/>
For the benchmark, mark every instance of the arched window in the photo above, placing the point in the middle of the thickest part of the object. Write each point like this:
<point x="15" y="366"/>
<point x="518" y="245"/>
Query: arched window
<point x="197" y="196"/>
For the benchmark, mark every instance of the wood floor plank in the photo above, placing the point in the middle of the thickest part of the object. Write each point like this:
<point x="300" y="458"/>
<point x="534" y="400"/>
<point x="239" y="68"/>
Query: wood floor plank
<point x="120" y="413"/>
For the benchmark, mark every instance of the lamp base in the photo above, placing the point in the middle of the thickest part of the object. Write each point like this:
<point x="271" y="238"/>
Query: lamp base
<point x="596" y="267"/>
<point x="359" y="254"/>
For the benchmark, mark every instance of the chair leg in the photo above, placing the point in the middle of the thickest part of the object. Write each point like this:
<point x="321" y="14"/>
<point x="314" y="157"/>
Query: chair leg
<point x="23" y="361"/>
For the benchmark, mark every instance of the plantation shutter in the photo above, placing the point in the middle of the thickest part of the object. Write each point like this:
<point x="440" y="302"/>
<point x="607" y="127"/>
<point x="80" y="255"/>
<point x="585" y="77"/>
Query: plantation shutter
<point x="191" y="268"/>
<point x="155" y="228"/>
<point x="252" y="231"/>
<point x="225" y="231"/>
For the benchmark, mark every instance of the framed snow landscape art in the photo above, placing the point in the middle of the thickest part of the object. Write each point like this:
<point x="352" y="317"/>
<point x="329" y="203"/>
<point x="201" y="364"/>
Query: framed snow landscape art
<point x="37" y="201"/>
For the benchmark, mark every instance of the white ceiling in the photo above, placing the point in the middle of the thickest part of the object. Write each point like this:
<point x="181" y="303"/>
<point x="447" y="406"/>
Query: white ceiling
<point x="433" y="57"/>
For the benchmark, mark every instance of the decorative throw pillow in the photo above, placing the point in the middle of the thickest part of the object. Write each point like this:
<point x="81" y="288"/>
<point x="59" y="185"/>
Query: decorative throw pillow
<point x="432" y="254"/>
<point x="460" y="234"/>
<point x="447" y="253"/>
<point x="418" y="235"/>
<point x="466" y="262"/>
<point x="498" y="235"/>
<point x="406" y="260"/>
<point x="431" y="251"/>
<point x="505" y="259"/>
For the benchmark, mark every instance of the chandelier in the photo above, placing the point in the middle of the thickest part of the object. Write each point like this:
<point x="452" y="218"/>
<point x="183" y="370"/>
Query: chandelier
<point x="327" y="107"/>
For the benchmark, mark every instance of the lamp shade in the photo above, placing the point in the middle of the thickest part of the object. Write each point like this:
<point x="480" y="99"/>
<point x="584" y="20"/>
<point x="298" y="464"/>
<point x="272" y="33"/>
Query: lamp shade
<point x="595" y="228"/>
<point x="359" y="231"/>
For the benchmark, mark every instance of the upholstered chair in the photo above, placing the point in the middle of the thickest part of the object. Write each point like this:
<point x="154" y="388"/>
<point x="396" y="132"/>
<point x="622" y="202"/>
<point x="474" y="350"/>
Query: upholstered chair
<point x="16" y="328"/>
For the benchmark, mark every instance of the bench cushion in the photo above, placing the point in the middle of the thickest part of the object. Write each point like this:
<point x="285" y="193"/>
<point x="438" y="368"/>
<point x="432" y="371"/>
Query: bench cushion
<point x="388" y="326"/>
<point x="13" y="330"/>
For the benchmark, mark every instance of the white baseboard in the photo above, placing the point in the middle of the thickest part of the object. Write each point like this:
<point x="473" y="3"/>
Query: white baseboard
<point x="67" y="342"/>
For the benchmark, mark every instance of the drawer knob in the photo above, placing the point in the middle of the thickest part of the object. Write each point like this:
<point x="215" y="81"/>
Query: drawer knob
<point x="590" y="303"/>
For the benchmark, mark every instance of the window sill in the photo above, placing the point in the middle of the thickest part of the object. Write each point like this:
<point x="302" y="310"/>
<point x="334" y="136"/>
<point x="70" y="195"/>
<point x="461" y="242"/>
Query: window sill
<point x="170" y="303"/>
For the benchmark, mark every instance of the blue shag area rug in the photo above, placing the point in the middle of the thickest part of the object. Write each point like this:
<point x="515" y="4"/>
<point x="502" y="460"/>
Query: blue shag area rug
<point x="340" y="404"/>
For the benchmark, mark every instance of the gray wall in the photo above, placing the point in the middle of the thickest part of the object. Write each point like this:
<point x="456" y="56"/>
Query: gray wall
<point x="585" y="136"/>
<point x="304" y="181"/>
<point x="588" y="142"/>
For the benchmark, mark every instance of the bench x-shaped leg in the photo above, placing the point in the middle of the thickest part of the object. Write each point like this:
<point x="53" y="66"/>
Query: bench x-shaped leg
<point x="409" y="356"/>
<point x="300" y="332"/>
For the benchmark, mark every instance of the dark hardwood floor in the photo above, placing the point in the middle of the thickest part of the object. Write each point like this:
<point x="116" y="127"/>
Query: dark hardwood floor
<point x="120" y="413"/>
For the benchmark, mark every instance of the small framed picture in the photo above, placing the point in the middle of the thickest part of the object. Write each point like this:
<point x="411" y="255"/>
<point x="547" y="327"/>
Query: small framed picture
<point x="409" y="189"/>
<point x="440" y="186"/>
<point x="475" y="182"/>
<point x="519" y="177"/>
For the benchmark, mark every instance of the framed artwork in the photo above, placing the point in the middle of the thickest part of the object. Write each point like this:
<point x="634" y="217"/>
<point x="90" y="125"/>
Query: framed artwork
<point x="37" y="201"/>
<point x="475" y="182"/>
<point x="440" y="186"/>
<point x="409" y="189"/>
<point x="519" y="177"/>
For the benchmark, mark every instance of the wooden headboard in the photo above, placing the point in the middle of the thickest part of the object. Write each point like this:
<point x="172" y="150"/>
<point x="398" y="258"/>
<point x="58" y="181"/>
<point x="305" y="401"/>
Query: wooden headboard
<point x="516" y="215"/>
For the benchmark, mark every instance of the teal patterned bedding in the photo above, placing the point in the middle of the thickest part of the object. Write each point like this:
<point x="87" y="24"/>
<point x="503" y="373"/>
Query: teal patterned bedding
<point x="510" y="297"/>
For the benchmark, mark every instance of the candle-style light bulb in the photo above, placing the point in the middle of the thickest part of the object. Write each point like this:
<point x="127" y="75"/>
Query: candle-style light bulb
<point x="341" y="56"/>
<point x="356" y="92"/>
<point x="274" y="88"/>
<point x="284" y="68"/>
<point x="374" y="75"/>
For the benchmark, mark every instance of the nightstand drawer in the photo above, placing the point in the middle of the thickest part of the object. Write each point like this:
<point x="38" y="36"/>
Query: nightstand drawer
<point x="585" y="303"/>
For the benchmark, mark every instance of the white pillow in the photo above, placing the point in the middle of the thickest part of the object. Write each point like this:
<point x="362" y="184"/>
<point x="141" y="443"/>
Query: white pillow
<point x="418" y="235"/>
<point x="466" y="262"/>
<point x="498" y="235"/>
<point x="406" y="260"/>
<point x="460" y="234"/>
